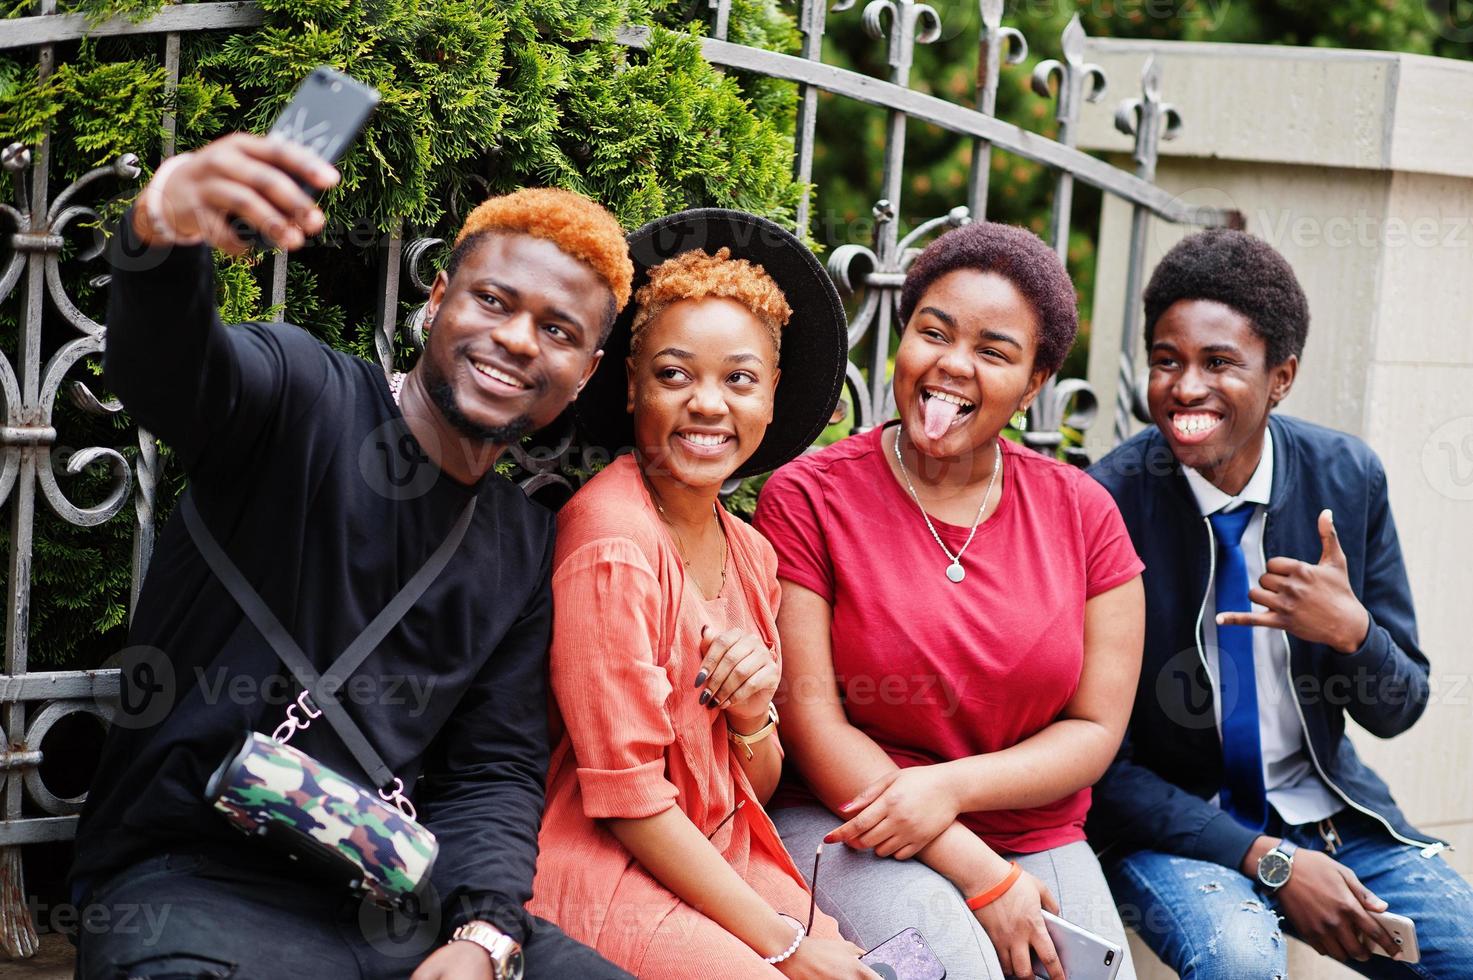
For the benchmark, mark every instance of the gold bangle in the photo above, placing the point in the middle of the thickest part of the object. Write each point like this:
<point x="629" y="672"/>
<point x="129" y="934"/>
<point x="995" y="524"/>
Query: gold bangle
<point x="747" y="741"/>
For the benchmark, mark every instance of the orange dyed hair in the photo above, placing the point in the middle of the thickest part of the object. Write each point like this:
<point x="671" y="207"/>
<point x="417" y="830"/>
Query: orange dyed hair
<point x="579" y="226"/>
<point x="697" y="275"/>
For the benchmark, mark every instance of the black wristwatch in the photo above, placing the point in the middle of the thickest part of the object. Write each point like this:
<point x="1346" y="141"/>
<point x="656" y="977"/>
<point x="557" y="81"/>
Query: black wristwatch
<point x="1275" y="867"/>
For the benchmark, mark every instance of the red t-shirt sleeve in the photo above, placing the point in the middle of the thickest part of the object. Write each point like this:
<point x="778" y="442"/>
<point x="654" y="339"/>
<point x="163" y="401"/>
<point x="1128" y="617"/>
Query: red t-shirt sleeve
<point x="1109" y="555"/>
<point x="790" y="514"/>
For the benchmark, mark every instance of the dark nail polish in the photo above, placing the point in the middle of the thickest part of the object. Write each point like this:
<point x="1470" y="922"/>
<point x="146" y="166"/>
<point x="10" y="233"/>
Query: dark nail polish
<point x="705" y="696"/>
<point x="712" y="704"/>
<point x="701" y="677"/>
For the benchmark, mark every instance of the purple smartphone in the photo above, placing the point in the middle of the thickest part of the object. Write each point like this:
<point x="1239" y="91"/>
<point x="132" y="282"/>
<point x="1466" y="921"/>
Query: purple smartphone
<point x="904" y="956"/>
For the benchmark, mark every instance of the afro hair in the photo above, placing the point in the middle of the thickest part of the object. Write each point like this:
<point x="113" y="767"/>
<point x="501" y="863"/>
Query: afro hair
<point x="697" y="275"/>
<point x="1238" y="270"/>
<point x="579" y="226"/>
<point x="1017" y="255"/>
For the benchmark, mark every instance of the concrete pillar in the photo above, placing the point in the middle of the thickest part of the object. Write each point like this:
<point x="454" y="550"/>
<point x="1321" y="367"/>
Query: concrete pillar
<point x="1358" y="167"/>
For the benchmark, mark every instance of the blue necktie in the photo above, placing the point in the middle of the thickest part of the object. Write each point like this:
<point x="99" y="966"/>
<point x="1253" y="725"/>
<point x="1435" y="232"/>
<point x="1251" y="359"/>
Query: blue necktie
<point x="1242" y="759"/>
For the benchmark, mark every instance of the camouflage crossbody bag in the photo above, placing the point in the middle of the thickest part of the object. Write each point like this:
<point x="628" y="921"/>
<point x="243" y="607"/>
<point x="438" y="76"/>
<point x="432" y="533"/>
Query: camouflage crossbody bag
<point x="370" y="841"/>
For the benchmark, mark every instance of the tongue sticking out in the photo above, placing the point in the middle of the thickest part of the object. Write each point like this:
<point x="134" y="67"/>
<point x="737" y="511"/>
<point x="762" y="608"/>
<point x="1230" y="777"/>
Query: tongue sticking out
<point x="939" y="416"/>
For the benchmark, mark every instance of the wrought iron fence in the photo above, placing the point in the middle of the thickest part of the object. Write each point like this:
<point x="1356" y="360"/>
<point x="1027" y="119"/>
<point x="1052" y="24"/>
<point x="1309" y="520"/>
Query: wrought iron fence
<point x="32" y="702"/>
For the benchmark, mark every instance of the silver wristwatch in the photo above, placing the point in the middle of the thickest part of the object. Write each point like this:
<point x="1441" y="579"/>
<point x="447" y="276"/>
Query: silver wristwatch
<point x="1275" y="867"/>
<point x="505" y="953"/>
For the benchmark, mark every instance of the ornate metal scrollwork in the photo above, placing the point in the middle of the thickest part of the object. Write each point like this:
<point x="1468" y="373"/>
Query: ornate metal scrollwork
<point x="36" y="234"/>
<point x="1072" y="82"/>
<point x="1150" y="121"/>
<point x="415" y="255"/>
<point x="997" y="46"/>
<point x="29" y="422"/>
<point x="1071" y="79"/>
<point x="40" y="726"/>
<point x="876" y="274"/>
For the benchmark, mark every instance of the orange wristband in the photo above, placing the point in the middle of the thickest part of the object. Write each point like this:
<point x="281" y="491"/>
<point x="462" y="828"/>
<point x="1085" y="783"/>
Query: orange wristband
<point x="996" y="891"/>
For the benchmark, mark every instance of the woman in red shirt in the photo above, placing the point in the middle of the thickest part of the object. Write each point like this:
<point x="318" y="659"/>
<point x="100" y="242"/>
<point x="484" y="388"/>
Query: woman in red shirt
<point x="962" y="622"/>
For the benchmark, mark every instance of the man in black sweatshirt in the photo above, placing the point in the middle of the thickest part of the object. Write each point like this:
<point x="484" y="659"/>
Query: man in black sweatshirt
<point x="328" y="487"/>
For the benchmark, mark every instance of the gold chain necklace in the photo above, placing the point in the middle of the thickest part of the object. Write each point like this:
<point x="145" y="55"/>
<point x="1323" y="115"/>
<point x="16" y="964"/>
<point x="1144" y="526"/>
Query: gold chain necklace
<point x="675" y="532"/>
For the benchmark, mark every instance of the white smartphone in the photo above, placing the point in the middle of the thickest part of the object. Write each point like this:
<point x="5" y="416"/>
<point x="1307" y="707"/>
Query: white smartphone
<point x="1084" y="955"/>
<point x="1404" y="931"/>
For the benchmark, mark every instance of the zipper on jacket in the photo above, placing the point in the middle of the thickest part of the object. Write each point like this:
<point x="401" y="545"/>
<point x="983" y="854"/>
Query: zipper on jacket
<point x="1429" y="848"/>
<point x="1202" y="611"/>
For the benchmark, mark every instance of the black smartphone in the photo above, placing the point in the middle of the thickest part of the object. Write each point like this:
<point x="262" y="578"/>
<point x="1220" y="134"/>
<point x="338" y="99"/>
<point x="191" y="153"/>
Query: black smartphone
<point x="326" y="114"/>
<point x="904" y="956"/>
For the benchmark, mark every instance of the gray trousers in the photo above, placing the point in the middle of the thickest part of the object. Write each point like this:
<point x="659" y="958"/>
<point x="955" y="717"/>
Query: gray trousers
<point x="873" y="898"/>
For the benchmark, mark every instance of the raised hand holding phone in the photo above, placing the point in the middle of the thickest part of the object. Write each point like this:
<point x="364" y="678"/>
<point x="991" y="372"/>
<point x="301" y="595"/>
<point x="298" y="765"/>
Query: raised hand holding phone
<point x="241" y="188"/>
<point x="207" y="195"/>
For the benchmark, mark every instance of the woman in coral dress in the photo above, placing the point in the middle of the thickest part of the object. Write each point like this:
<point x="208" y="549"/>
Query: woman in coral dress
<point x="655" y="848"/>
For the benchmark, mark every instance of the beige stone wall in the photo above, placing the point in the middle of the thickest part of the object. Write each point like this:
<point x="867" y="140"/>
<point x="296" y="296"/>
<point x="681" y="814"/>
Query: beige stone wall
<point x="1359" y="168"/>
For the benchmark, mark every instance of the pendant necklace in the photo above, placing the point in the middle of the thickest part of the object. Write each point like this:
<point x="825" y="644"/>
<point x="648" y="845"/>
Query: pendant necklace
<point x="954" y="571"/>
<point x="396" y="385"/>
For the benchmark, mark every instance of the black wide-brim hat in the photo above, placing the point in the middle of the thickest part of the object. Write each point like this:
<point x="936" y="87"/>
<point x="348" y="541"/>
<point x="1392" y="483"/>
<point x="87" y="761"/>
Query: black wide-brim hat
<point x="815" y="341"/>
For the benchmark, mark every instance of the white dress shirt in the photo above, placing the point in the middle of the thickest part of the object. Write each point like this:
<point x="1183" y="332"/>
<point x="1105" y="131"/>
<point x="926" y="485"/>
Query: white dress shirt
<point x="1294" y="788"/>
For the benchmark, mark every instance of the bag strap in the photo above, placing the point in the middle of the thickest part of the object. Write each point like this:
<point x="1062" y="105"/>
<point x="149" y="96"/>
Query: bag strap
<point x="323" y="688"/>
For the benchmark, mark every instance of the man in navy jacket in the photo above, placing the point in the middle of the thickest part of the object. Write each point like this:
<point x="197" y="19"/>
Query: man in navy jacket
<point x="1277" y="604"/>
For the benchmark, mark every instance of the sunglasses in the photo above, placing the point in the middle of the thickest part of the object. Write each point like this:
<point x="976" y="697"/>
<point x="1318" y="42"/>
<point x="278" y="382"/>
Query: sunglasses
<point x="817" y="857"/>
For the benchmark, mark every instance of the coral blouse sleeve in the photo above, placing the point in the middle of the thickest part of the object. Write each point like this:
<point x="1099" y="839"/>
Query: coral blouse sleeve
<point x="1110" y="557"/>
<point x="790" y="514"/>
<point x="609" y="685"/>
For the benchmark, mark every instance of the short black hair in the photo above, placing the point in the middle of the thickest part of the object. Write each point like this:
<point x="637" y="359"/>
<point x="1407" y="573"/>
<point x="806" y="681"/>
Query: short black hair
<point x="470" y="242"/>
<point x="1238" y="270"/>
<point x="1017" y="255"/>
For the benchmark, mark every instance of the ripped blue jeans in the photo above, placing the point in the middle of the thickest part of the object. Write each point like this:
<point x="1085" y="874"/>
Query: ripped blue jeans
<point x="1208" y="922"/>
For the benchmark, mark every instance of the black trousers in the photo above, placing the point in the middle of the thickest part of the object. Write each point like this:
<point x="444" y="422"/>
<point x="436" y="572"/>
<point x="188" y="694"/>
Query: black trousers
<point x="188" y="916"/>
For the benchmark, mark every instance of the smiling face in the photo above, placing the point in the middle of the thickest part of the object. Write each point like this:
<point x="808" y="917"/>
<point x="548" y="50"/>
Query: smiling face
<point x="1211" y="388"/>
<point x="513" y="337"/>
<point x="701" y="390"/>
<point x="965" y="363"/>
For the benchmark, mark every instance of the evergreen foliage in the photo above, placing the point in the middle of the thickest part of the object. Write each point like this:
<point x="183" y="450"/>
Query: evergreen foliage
<point x="476" y="98"/>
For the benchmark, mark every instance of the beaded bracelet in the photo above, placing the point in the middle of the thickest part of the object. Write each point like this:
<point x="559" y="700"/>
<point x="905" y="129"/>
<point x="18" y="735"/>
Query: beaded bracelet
<point x="996" y="891"/>
<point x="797" y="941"/>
